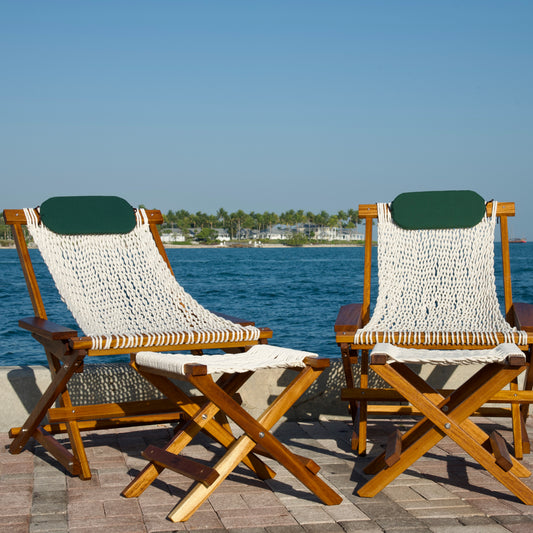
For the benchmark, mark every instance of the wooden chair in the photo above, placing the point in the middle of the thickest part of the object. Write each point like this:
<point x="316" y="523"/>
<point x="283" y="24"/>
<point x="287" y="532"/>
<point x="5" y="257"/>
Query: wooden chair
<point x="436" y="293"/>
<point x="111" y="269"/>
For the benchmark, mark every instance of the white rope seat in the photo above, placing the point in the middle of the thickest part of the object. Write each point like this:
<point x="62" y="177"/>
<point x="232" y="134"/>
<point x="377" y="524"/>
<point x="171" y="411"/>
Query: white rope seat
<point x="119" y="289"/>
<point x="259" y="356"/>
<point x="498" y="354"/>
<point x="437" y="286"/>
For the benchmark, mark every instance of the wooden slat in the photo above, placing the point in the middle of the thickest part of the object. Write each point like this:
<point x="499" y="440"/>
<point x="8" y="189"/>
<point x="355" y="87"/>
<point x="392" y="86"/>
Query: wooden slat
<point x="47" y="329"/>
<point x="154" y="216"/>
<point x="500" y="451"/>
<point x="29" y="273"/>
<point x="349" y="318"/>
<point x="506" y="270"/>
<point x="385" y="395"/>
<point x="157" y="239"/>
<point x="109" y="423"/>
<point x="182" y="465"/>
<point x="367" y="275"/>
<point x="394" y="448"/>
<point x="114" y="410"/>
<point x="408" y="410"/>
<point x="504" y="209"/>
<point x="397" y="339"/>
<point x="17" y="216"/>
<point x="56" y="449"/>
<point x="14" y="216"/>
<point x="523" y="314"/>
<point x="308" y="463"/>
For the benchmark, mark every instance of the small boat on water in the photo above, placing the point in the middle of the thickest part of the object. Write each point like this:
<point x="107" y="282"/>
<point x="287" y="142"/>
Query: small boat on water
<point x="517" y="240"/>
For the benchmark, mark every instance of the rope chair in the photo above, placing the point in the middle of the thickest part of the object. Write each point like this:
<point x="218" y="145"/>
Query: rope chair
<point x="437" y="305"/>
<point x="111" y="270"/>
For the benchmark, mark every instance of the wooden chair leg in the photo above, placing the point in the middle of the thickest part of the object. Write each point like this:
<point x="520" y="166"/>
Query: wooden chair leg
<point x="524" y="408"/>
<point x="150" y="472"/>
<point x="348" y="359"/>
<point x="362" y="413"/>
<point x="200" y="418"/>
<point x="425" y="426"/>
<point x="259" y="430"/>
<point x="200" y="492"/>
<point x="451" y="422"/>
<point x="73" y="430"/>
<point x="516" y="418"/>
<point x="48" y="398"/>
<point x="31" y="426"/>
<point x="255" y="431"/>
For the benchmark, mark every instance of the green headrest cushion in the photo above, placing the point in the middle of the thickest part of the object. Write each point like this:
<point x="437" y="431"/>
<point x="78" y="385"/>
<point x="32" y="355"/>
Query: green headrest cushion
<point x="84" y="215"/>
<point x="438" y="209"/>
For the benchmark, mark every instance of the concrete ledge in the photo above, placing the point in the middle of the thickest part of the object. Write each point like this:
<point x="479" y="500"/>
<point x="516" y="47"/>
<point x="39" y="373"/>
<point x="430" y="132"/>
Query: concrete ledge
<point x="22" y="386"/>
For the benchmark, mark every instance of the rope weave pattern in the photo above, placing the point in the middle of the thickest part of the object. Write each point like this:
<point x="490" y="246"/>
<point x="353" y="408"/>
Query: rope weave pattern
<point x="119" y="287"/>
<point x="257" y="357"/>
<point x="437" y="286"/>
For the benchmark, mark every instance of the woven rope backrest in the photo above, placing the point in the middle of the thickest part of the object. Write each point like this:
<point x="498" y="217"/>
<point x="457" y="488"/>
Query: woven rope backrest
<point x="120" y="285"/>
<point x="438" y="282"/>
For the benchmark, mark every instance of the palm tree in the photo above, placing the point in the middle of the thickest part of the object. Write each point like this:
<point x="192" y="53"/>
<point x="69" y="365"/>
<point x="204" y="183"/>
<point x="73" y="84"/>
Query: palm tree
<point x="342" y="216"/>
<point x="222" y="215"/>
<point x="236" y="220"/>
<point x="354" y="216"/>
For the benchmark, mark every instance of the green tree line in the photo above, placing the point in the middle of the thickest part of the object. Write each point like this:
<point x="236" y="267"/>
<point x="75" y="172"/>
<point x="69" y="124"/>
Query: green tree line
<point x="236" y="222"/>
<point x="239" y="220"/>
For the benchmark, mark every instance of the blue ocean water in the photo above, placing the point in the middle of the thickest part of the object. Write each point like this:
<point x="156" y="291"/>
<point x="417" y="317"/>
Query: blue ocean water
<point x="296" y="292"/>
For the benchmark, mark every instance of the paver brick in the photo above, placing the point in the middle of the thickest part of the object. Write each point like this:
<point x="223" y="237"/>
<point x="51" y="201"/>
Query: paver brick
<point x="271" y="516"/>
<point x="443" y="512"/>
<point x="124" y="507"/>
<point x="81" y="509"/>
<point x="359" y="525"/>
<point x="491" y="506"/>
<point x="311" y="515"/>
<point x="427" y="497"/>
<point x="434" y="491"/>
<point x="345" y="511"/>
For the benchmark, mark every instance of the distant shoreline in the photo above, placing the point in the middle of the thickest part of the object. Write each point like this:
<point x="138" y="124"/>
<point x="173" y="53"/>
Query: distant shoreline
<point x="217" y="247"/>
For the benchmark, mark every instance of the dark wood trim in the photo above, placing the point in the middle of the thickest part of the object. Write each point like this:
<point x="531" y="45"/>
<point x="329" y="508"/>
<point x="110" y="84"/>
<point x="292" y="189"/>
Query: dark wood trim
<point x="349" y="318"/>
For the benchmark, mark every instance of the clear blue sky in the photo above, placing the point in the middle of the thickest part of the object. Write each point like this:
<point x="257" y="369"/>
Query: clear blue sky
<point x="266" y="105"/>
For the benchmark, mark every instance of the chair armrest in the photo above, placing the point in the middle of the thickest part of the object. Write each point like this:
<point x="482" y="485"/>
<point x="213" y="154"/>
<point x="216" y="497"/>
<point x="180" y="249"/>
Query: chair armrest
<point x="523" y="315"/>
<point x="349" y="318"/>
<point x="48" y="330"/>
<point x="236" y="320"/>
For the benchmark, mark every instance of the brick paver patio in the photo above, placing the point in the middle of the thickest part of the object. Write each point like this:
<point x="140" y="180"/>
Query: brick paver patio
<point x="441" y="492"/>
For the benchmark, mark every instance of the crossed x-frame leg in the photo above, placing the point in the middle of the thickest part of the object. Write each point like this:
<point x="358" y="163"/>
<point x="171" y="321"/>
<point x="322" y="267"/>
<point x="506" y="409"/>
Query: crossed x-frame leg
<point x="256" y="438"/>
<point x="76" y="462"/>
<point x="447" y="416"/>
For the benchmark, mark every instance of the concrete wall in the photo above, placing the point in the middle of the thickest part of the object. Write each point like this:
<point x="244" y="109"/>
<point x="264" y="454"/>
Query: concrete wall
<point x="21" y="387"/>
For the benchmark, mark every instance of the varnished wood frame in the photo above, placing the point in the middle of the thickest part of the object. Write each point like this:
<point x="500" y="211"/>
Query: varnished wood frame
<point x="257" y="437"/>
<point x="354" y="316"/>
<point x="66" y="350"/>
<point x="448" y="415"/>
